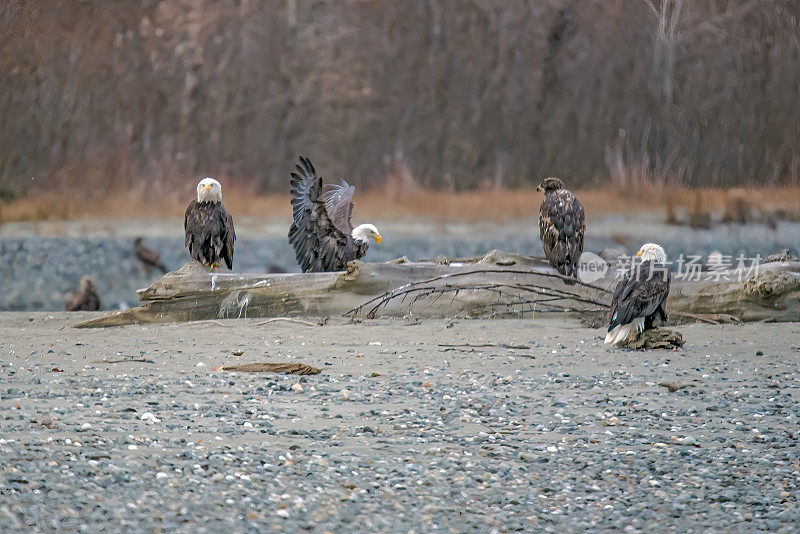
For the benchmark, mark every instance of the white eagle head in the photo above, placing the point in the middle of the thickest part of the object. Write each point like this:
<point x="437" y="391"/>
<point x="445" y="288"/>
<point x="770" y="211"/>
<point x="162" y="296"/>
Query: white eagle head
<point x="363" y="232"/>
<point x="652" y="252"/>
<point x="209" y="190"/>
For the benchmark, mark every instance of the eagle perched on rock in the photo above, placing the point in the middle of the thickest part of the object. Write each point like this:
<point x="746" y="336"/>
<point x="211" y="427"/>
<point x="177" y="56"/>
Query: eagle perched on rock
<point x="321" y="233"/>
<point x="641" y="296"/>
<point x="562" y="226"/>
<point x="209" y="226"/>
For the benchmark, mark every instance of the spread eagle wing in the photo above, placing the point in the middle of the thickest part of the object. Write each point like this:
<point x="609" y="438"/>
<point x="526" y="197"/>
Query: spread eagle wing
<point x="316" y="240"/>
<point x="339" y="205"/>
<point x="640" y="294"/>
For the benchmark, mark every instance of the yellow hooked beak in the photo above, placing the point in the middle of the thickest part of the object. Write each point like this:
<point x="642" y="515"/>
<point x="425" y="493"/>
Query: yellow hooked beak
<point x="208" y="187"/>
<point x="539" y="189"/>
<point x="639" y="254"/>
<point x="378" y="238"/>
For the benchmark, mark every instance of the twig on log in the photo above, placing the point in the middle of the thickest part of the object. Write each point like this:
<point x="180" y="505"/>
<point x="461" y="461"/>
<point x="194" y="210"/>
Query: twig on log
<point x="423" y="289"/>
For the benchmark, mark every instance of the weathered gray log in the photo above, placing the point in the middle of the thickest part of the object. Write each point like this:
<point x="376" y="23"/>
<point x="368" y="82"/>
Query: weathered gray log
<point x="497" y="284"/>
<point x="770" y="294"/>
<point x="192" y="293"/>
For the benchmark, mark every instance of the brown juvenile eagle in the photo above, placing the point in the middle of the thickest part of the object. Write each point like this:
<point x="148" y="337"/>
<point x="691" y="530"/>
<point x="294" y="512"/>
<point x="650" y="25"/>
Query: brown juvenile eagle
<point x="148" y="257"/>
<point x="321" y="233"/>
<point x="209" y="226"/>
<point x="640" y="296"/>
<point x="562" y="226"/>
<point x="85" y="299"/>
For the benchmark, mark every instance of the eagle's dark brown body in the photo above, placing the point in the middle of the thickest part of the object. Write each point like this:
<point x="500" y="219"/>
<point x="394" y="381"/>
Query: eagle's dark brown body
<point x="85" y="299"/>
<point x="321" y="232"/>
<point x="209" y="233"/>
<point x="562" y="227"/>
<point x="641" y="295"/>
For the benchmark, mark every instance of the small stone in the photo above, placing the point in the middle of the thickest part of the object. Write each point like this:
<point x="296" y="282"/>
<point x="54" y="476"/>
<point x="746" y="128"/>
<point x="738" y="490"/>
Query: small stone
<point x="147" y="417"/>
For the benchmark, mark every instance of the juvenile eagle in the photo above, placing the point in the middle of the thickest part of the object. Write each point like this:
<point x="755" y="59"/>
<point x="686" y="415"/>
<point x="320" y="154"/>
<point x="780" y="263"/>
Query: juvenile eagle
<point x="148" y="257"/>
<point x="209" y="226"/>
<point x="640" y="296"/>
<point x="561" y="226"/>
<point x="85" y="299"/>
<point x="321" y="233"/>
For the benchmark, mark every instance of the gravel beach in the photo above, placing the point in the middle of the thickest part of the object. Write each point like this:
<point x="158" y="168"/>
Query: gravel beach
<point x="466" y="426"/>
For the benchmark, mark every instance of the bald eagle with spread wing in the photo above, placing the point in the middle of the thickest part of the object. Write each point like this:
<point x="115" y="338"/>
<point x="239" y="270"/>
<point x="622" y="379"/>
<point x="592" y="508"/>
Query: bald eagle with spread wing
<point x="562" y="226"/>
<point x="641" y="296"/>
<point x="321" y="233"/>
<point x="209" y="226"/>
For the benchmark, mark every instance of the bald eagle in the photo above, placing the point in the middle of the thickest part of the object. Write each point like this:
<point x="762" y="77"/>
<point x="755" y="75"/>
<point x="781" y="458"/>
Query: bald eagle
<point x="640" y="296"/>
<point x="209" y="226"/>
<point x="148" y="257"/>
<point x="561" y="226"/>
<point x="85" y="299"/>
<point x="321" y="233"/>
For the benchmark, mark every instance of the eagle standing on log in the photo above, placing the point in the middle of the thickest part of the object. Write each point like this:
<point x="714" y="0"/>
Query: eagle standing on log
<point x="562" y="226"/>
<point x="640" y="296"/>
<point x="209" y="226"/>
<point x="321" y="234"/>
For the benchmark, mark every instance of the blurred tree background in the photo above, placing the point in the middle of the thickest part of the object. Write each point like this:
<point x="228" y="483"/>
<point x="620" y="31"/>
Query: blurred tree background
<point x="143" y="95"/>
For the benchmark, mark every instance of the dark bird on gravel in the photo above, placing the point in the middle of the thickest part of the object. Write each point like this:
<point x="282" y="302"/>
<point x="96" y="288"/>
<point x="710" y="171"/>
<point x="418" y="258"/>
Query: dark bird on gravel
<point x="209" y="227"/>
<point x="641" y="296"/>
<point x="562" y="226"/>
<point x="85" y="299"/>
<point x="148" y="257"/>
<point x="321" y="233"/>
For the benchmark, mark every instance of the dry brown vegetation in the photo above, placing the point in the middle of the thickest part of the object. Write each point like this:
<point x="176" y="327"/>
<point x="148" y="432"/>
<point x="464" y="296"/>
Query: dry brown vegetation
<point x="104" y="97"/>
<point x="434" y="206"/>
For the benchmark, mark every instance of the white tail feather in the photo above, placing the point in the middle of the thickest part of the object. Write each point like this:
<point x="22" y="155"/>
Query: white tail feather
<point x="620" y="333"/>
<point x="639" y="323"/>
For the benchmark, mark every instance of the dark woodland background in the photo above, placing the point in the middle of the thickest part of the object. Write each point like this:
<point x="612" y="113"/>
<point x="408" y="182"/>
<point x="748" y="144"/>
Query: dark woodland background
<point x="114" y="95"/>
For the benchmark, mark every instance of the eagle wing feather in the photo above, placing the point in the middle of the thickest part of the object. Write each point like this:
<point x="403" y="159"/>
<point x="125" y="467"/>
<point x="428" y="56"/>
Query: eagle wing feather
<point x="320" y="230"/>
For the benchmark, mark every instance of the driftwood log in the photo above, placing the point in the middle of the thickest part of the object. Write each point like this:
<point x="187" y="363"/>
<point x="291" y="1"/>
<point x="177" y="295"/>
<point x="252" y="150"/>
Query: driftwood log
<point x="497" y="284"/>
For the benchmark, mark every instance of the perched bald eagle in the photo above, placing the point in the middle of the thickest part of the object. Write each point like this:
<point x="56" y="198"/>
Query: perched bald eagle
<point x="85" y="299"/>
<point x="640" y="296"/>
<point x="209" y="226"/>
<point x="321" y="233"/>
<point x="148" y="257"/>
<point x="561" y="226"/>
